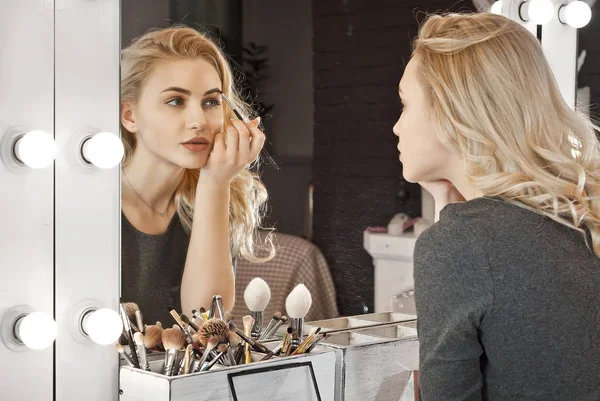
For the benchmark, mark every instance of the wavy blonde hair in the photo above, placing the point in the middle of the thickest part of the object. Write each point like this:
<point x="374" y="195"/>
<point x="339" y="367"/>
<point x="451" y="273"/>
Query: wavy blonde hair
<point x="495" y="102"/>
<point x="248" y="194"/>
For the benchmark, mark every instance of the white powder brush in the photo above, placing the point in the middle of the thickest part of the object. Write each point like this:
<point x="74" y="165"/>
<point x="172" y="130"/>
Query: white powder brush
<point x="257" y="296"/>
<point x="298" y="304"/>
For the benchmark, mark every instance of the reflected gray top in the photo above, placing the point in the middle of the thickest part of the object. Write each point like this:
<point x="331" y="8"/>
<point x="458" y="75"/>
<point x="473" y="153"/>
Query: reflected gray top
<point x="152" y="268"/>
<point x="507" y="306"/>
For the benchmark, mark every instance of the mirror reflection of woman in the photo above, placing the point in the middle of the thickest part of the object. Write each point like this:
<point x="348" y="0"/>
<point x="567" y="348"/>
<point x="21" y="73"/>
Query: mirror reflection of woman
<point x="190" y="204"/>
<point x="507" y="280"/>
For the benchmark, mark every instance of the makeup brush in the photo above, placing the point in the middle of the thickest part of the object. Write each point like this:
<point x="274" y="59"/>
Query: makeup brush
<point x="184" y="327"/>
<point x="222" y="350"/>
<point x="159" y="324"/>
<point x="214" y="327"/>
<point x="298" y="304"/>
<point x="234" y="341"/>
<point x="129" y="335"/>
<point x="294" y="340"/>
<point x="127" y="358"/>
<point x="204" y="314"/>
<point x="216" y="308"/>
<point x="257" y="296"/>
<point x="197" y="316"/>
<point x="276" y="327"/>
<point x="173" y="340"/>
<point x="273" y="352"/>
<point x="306" y="343"/>
<point x="139" y="319"/>
<point x="315" y="342"/>
<point x="184" y="366"/>
<point x="187" y="321"/>
<point x="287" y="340"/>
<point x="237" y="113"/>
<point x="248" y="339"/>
<point x="139" y="341"/>
<point x="248" y="323"/>
<point x="212" y="343"/>
<point x="130" y="309"/>
<point x="153" y="337"/>
<point x="276" y="317"/>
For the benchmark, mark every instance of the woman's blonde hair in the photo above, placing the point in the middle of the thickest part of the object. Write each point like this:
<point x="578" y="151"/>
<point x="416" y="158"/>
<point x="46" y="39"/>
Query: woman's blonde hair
<point x="248" y="194"/>
<point x="495" y="102"/>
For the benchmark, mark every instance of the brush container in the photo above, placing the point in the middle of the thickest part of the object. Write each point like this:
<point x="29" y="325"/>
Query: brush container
<point x="309" y="377"/>
<point x="355" y="322"/>
<point x="375" y="363"/>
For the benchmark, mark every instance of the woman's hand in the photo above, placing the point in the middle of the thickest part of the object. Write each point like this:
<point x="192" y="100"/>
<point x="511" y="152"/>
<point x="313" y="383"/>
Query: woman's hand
<point x="232" y="152"/>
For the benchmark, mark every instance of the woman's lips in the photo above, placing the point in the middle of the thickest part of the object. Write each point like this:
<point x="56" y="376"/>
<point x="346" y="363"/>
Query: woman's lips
<point x="195" y="147"/>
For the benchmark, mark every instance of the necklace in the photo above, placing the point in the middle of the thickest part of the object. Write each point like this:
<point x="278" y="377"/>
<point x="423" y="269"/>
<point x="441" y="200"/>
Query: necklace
<point x="142" y="199"/>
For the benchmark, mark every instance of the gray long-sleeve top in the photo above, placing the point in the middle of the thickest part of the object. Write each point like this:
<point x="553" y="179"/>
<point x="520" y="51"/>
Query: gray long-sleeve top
<point x="508" y="306"/>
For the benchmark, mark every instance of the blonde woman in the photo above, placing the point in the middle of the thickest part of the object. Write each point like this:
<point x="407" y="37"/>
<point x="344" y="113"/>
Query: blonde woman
<point x="190" y="205"/>
<point x="507" y="281"/>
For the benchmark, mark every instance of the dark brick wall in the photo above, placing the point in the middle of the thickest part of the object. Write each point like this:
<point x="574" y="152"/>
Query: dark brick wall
<point x="590" y="72"/>
<point x="360" y="50"/>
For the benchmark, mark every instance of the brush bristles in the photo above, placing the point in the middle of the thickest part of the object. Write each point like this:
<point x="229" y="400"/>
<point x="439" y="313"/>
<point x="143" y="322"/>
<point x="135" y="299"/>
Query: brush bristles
<point x="298" y="303"/>
<point x="211" y="343"/>
<point x="248" y="321"/>
<point x="130" y="308"/>
<point x="173" y="339"/>
<point x="257" y="295"/>
<point x="138" y="338"/>
<point x="214" y="327"/>
<point x="153" y="336"/>
<point x="228" y="316"/>
<point x="277" y="316"/>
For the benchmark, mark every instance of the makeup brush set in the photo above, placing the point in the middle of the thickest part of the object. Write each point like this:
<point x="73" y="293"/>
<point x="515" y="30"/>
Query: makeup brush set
<point x="211" y="338"/>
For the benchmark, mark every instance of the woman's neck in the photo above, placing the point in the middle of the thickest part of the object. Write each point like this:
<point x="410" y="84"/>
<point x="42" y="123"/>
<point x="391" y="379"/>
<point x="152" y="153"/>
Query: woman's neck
<point x="152" y="180"/>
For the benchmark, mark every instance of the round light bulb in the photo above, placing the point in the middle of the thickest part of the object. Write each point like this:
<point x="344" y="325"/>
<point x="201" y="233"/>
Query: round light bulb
<point x="103" y="326"/>
<point x="104" y="150"/>
<point x="540" y="11"/>
<point x="36" y="149"/>
<point x="496" y="8"/>
<point x="576" y="14"/>
<point x="37" y="330"/>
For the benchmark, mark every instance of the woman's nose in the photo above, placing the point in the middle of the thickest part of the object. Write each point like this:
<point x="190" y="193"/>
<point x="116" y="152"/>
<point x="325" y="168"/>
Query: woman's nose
<point x="195" y="118"/>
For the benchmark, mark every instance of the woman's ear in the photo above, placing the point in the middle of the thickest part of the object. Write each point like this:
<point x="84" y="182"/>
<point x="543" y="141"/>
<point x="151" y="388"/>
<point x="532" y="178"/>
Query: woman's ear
<point x="128" y="118"/>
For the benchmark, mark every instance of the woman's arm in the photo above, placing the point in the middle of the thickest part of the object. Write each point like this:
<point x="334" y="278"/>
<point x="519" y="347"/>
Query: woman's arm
<point x="208" y="267"/>
<point x="453" y="293"/>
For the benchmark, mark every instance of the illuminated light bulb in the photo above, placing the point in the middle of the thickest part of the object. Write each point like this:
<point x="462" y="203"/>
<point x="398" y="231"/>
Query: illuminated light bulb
<point x="539" y="12"/>
<point x="36" y="149"/>
<point x="103" y="326"/>
<point x="37" y="330"/>
<point x="103" y="150"/>
<point x="496" y="8"/>
<point x="576" y="14"/>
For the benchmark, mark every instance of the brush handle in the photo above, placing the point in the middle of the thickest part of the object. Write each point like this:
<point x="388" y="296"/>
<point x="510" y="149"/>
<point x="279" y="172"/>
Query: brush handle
<point x="297" y="325"/>
<point x="212" y="363"/>
<point x="202" y="360"/>
<point x="273" y="352"/>
<point x="254" y="344"/>
<point x="273" y="330"/>
<point x="257" y="326"/>
<point x="143" y="358"/>
<point x="127" y="359"/>
<point x="265" y="332"/>
<point x="170" y="357"/>
<point x="216" y="308"/>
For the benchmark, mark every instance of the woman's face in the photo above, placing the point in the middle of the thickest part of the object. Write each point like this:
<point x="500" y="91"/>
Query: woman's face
<point x="180" y="102"/>
<point x="423" y="156"/>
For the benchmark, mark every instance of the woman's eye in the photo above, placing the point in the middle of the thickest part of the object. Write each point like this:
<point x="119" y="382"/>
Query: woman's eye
<point x="175" y="102"/>
<point x="212" y="102"/>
